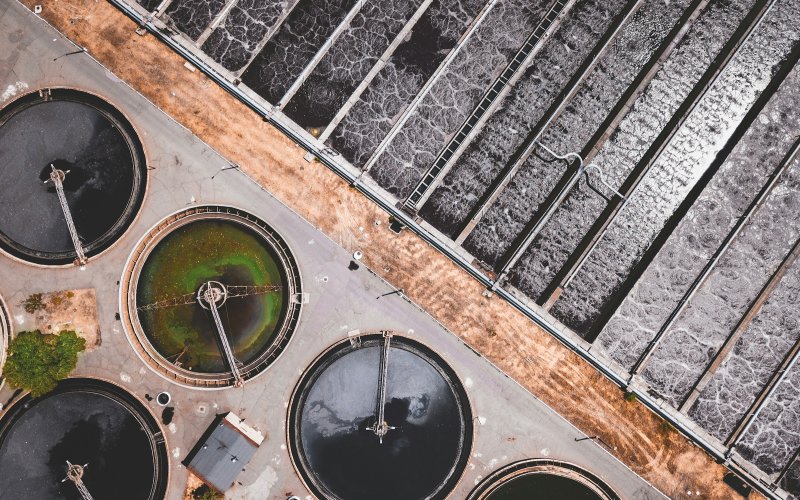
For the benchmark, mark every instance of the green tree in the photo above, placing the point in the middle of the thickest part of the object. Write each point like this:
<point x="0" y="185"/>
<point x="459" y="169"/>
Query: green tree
<point x="37" y="361"/>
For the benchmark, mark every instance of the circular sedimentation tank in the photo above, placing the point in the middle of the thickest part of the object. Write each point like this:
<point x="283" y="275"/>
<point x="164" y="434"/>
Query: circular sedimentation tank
<point x="212" y="252"/>
<point x="104" y="179"/>
<point x="542" y="479"/>
<point x="343" y="445"/>
<point x="92" y="424"/>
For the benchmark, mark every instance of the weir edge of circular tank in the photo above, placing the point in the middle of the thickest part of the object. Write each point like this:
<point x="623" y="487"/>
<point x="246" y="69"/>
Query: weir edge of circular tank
<point x="5" y="336"/>
<point x="543" y="466"/>
<point x="139" y="146"/>
<point x="127" y="298"/>
<point x="320" y="360"/>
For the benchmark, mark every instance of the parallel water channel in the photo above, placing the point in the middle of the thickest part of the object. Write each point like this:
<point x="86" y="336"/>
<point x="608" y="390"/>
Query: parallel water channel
<point x="473" y="175"/>
<point x="455" y="94"/>
<point x="701" y="232"/>
<point x="348" y="61"/>
<point x="650" y="113"/>
<point x="193" y="16"/>
<point x="774" y="436"/>
<point x="755" y="357"/>
<point x="285" y="55"/>
<point x="411" y="65"/>
<point x="241" y="34"/>
<point x="678" y="168"/>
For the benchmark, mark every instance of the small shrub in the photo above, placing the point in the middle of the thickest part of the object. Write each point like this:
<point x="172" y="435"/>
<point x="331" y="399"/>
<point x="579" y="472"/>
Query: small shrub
<point x="630" y="397"/>
<point x="56" y="299"/>
<point x="34" y="303"/>
<point x="204" y="492"/>
<point x="667" y="427"/>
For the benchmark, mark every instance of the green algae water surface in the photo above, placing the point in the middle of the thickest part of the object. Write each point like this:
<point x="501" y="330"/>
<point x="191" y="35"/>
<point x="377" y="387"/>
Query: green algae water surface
<point x="210" y="250"/>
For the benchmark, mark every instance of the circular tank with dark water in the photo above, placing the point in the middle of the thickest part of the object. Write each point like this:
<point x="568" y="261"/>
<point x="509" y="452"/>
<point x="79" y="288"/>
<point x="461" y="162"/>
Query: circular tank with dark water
<point x="104" y="183"/>
<point x="89" y="423"/>
<point x="542" y="479"/>
<point x="344" y="450"/>
<point x="232" y="250"/>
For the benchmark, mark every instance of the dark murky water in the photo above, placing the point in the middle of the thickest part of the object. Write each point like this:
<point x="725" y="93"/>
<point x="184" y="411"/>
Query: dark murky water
<point x="416" y="459"/>
<point x="194" y="16"/>
<point x="150" y="5"/>
<point x="81" y="427"/>
<point x="201" y="251"/>
<point x="348" y="61"/>
<point x="236" y="40"/>
<point x="299" y="38"/>
<point x="99" y="185"/>
<point x="544" y="487"/>
<point x="393" y="89"/>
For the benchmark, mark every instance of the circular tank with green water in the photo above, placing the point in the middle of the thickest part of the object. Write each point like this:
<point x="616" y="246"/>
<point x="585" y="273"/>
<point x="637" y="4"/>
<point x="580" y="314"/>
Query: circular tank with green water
<point x="241" y="256"/>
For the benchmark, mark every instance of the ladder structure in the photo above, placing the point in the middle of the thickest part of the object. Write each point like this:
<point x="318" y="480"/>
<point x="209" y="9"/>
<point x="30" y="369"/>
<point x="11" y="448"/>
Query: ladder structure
<point x="75" y="474"/>
<point x="381" y="427"/>
<point x="423" y="187"/>
<point x="211" y="296"/>
<point x="57" y="177"/>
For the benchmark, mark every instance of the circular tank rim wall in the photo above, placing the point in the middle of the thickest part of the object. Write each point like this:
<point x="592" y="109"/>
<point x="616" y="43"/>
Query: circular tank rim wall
<point x="127" y="297"/>
<point x="139" y="157"/>
<point x="320" y="360"/>
<point x="544" y="467"/>
<point x="5" y="336"/>
<point x="157" y="438"/>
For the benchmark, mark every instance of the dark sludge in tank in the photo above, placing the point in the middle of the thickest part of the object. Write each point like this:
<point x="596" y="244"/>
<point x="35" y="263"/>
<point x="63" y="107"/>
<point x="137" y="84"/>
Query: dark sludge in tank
<point x="98" y="159"/>
<point x="383" y="417"/>
<point x="231" y="261"/>
<point x="542" y="479"/>
<point x="111" y="441"/>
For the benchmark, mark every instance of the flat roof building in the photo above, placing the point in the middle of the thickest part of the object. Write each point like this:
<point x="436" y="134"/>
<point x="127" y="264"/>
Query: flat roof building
<point x="223" y="451"/>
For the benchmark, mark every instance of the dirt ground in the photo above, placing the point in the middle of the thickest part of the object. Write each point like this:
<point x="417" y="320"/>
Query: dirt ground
<point x="70" y="310"/>
<point x="491" y="326"/>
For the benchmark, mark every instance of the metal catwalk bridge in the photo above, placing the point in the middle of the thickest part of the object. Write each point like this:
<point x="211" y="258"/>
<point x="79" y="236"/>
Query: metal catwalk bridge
<point x="57" y="177"/>
<point x="381" y="427"/>
<point x="191" y="298"/>
<point x="211" y="296"/>
<point x="75" y="474"/>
